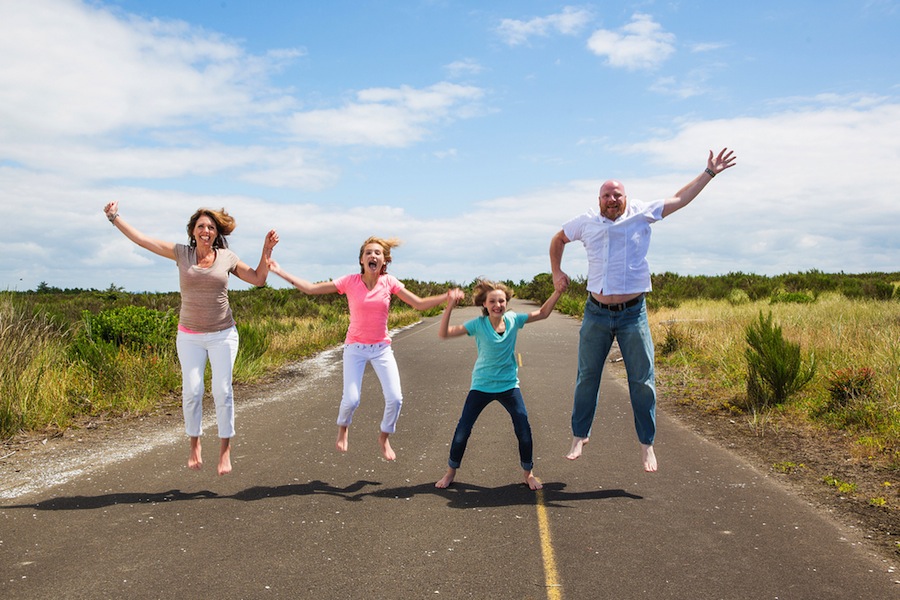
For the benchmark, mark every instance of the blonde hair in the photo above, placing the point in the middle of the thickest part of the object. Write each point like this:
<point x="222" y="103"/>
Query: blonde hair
<point x="386" y="245"/>
<point x="225" y="224"/>
<point x="483" y="287"/>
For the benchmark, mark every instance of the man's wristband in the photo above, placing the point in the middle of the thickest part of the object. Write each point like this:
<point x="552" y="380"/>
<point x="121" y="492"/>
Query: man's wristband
<point x="710" y="172"/>
<point x="112" y="217"/>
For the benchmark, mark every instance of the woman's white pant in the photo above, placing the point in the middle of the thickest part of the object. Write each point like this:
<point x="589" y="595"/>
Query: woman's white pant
<point x="220" y="349"/>
<point x="381" y="356"/>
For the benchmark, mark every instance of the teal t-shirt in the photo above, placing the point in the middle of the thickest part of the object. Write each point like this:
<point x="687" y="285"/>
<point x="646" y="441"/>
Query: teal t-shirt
<point x="496" y="369"/>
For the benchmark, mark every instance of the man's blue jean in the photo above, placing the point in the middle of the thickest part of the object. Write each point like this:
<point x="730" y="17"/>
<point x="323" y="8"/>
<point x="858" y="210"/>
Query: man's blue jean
<point x="599" y="329"/>
<point x="476" y="402"/>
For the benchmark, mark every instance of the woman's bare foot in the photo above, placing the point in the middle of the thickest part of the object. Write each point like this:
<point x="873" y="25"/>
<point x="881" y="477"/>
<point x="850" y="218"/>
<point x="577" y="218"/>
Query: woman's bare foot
<point x="385" y="444"/>
<point x="195" y="460"/>
<point x="532" y="481"/>
<point x="648" y="458"/>
<point x="577" y="447"/>
<point x="342" y="442"/>
<point x="447" y="479"/>
<point x="225" y="456"/>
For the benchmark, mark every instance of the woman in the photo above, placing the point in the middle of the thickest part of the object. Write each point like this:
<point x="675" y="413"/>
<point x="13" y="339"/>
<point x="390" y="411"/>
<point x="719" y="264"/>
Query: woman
<point x="368" y="341"/>
<point x="206" y="327"/>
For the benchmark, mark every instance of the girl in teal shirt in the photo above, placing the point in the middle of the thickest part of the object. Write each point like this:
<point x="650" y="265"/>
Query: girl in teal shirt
<point x="496" y="372"/>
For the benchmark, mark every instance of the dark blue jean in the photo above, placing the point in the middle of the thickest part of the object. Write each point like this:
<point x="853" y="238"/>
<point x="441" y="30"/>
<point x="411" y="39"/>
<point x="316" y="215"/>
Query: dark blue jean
<point x="631" y="329"/>
<point x="476" y="402"/>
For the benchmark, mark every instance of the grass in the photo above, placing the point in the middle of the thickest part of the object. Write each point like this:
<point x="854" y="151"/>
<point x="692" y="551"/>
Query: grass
<point x="55" y="369"/>
<point x="702" y="344"/>
<point x="701" y="351"/>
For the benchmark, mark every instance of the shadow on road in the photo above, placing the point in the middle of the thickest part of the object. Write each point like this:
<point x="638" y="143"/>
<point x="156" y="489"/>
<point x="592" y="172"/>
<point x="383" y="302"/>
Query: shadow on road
<point x="349" y="492"/>
<point x="465" y="495"/>
<point x="458" y="495"/>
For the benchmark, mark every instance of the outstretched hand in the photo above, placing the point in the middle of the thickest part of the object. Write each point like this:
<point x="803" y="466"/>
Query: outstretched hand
<point x="725" y="160"/>
<point x="270" y="242"/>
<point x="273" y="266"/>
<point x="111" y="208"/>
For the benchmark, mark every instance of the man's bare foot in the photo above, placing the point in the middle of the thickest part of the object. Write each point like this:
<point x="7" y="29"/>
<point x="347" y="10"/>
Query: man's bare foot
<point x="342" y="442"/>
<point x="195" y="460"/>
<point x="225" y="456"/>
<point x="577" y="447"/>
<point x="447" y="479"/>
<point x="648" y="457"/>
<point x="532" y="481"/>
<point x="385" y="444"/>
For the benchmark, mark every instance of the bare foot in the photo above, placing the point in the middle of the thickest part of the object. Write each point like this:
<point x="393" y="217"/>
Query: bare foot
<point x="447" y="479"/>
<point x="648" y="457"/>
<point x="195" y="460"/>
<point x="532" y="481"/>
<point x="225" y="456"/>
<point x="577" y="447"/>
<point x="385" y="444"/>
<point x="342" y="441"/>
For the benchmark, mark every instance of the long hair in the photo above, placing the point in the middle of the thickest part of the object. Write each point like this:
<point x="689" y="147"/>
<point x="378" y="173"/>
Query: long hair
<point x="386" y="245"/>
<point x="483" y="287"/>
<point x="225" y="224"/>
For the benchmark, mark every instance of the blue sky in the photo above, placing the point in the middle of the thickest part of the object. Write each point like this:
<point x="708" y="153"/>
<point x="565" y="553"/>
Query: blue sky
<point x="470" y="130"/>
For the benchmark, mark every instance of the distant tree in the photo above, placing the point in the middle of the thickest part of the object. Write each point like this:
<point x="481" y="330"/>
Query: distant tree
<point x="45" y="288"/>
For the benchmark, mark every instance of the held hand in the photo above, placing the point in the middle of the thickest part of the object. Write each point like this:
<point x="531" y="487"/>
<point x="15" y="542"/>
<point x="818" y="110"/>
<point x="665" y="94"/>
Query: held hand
<point x="560" y="279"/>
<point x="725" y="160"/>
<point x="454" y="296"/>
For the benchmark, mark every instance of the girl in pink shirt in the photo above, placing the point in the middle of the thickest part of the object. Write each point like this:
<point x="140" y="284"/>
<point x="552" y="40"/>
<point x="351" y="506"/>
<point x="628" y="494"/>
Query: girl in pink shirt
<point x="369" y="297"/>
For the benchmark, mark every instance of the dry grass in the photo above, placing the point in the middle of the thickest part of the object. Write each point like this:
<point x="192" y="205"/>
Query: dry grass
<point x="701" y="345"/>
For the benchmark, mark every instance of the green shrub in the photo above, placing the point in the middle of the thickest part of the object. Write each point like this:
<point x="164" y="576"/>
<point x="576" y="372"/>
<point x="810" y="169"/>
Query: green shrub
<point x="571" y="305"/>
<point x="138" y="328"/>
<point x="676" y="339"/>
<point x="737" y="297"/>
<point x="795" y="297"/>
<point x="539" y="289"/>
<point x="847" y="385"/>
<point x="775" y="369"/>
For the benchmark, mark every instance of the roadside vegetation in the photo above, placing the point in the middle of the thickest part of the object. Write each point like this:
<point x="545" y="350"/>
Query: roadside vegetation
<point x="69" y="355"/>
<point x="815" y="351"/>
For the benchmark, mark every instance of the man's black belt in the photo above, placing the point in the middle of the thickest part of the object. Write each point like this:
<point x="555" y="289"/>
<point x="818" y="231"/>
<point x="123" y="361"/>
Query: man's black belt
<point x="616" y="307"/>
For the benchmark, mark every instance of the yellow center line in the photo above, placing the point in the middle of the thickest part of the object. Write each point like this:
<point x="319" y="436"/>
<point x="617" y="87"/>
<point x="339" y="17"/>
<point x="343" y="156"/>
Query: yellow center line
<point x="551" y="577"/>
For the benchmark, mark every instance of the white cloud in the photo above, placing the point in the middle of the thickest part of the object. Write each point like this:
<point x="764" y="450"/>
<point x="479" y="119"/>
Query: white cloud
<point x="461" y="68"/>
<point x="570" y="21"/>
<point x="389" y="117"/>
<point x="707" y="46"/>
<point x="91" y="98"/>
<point x="641" y="44"/>
<point x="808" y="183"/>
<point x="812" y="189"/>
<point x="70" y="69"/>
<point x="670" y="86"/>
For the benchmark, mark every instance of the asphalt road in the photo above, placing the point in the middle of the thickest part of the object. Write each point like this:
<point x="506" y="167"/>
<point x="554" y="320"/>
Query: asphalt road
<point x="297" y="519"/>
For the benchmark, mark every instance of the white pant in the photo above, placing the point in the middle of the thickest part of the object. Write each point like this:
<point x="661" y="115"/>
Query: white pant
<point x="194" y="349"/>
<point x="382" y="358"/>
